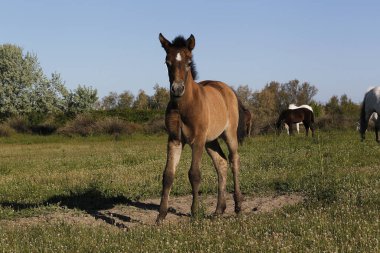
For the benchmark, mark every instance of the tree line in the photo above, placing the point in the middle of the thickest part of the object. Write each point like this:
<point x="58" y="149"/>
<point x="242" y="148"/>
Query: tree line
<point x="26" y="91"/>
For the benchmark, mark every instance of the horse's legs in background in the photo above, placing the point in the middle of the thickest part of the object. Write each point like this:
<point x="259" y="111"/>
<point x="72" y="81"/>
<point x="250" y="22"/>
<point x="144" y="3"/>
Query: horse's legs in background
<point x="364" y="126"/>
<point x="287" y="128"/>
<point x="298" y="128"/>
<point x="306" y="125"/>
<point x="290" y="125"/>
<point x="234" y="159"/>
<point x="377" y="127"/>
<point x="312" y="129"/>
<point x="220" y="162"/>
<point x="174" y="150"/>
<point x="195" y="174"/>
<point x="249" y="128"/>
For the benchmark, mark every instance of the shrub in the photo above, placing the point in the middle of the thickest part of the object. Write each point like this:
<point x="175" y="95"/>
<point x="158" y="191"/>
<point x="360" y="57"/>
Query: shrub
<point x="43" y="129"/>
<point x="5" y="130"/>
<point x="115" y="126"/>
<point x="328" y="121"/>
<point x="19" y="124"/>
<point x="83" y="125"/>
<point x="155" y="125"/>
<point x="86" y="125"/>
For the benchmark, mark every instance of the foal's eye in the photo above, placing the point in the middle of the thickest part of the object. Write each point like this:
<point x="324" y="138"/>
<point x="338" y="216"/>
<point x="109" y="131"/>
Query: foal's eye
<point x="168" y="63"/>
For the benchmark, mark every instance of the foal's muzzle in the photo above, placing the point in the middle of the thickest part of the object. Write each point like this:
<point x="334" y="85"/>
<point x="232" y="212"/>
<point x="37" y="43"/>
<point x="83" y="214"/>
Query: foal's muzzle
<point x="177" y="89"/>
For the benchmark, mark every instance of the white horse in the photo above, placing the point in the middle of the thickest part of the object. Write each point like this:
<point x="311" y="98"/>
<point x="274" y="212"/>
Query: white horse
<point x="292" y="107"/>
<point x="374" y="117"/>
<point x="371" y="104"/>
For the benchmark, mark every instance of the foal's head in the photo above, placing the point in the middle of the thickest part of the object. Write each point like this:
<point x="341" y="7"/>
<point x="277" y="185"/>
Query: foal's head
<point x="179" y="61"/>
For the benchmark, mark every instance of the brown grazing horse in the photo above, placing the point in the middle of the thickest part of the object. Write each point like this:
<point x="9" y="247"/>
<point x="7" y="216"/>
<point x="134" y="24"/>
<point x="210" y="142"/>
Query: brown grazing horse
<point x="198" y="114"/>
<point x="248" y="122"/>
<point x="292" y="116"/>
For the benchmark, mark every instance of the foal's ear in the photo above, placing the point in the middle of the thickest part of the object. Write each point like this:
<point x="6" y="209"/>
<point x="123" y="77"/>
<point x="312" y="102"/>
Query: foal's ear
<point x="190" y="42"/>
<point x="164" y="42"/>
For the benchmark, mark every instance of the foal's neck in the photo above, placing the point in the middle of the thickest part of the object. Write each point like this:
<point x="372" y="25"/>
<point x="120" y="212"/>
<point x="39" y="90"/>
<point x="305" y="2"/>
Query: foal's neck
<point x="192" y="92"/>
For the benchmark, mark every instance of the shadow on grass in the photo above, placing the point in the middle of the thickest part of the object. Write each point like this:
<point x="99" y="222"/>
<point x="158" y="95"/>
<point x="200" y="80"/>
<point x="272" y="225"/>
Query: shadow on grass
<point x="93" y="202"/>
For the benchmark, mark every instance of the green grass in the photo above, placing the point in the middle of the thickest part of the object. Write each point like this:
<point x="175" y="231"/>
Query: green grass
<point x="339" y="175"/>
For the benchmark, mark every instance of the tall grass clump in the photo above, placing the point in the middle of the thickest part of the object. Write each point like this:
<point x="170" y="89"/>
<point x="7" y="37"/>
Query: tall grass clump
<point x="82" y="125"/>
<point x="19" y="124"/>
<point x="116" y="126"/>
<point x="88" y="125"/>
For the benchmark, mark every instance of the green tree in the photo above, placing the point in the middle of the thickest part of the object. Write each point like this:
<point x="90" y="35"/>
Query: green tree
<point x="288" y="93"/>
<point x="161" y="97"/>
<point x="80" y="100"/>
<point x="332" y="106"/>
<point x="47" y="95"/>
<point x="244" y="93"/>
<point x="125" y="100"/>
<point x="142" y="101"/>
<point x="25" y="89"/>
<point x="264" y="107"/>
<point x="305" y="93"/>
<point x="293" y="92"/>
<point x="18" y="74"/>
<point x="110" y="101"/>
<point x="349" y="108"/>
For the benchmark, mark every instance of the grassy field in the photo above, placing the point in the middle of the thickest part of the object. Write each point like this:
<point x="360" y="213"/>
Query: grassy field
<point x="338" y="175"/>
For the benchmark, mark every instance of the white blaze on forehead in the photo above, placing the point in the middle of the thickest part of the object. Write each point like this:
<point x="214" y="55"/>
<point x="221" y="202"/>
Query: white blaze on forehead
<point x="178" y="57"/>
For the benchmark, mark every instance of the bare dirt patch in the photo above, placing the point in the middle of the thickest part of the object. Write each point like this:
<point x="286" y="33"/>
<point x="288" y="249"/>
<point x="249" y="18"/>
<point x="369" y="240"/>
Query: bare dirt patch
<point x="125" y="216"/>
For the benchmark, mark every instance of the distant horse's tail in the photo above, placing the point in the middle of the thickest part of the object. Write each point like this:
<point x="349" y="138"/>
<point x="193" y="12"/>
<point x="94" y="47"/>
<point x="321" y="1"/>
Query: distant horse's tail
<point x="241" y="130"/>
<point x="312" y="117"/>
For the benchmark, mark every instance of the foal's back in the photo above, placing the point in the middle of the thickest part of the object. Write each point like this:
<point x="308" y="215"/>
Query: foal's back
<point x="222" y="105"/>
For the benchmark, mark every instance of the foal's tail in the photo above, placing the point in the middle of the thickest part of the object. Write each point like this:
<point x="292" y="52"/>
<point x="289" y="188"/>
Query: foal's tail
<point x="241" y="130"/>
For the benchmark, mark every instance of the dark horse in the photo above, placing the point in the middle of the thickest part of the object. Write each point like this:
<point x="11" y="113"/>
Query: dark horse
<point x="198" y="114"/>
<point x="371" y="104"/>
<point x="292" y="116"/>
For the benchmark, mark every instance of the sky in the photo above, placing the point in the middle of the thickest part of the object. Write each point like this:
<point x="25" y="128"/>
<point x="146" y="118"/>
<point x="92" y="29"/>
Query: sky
<point x="113" y="45"/>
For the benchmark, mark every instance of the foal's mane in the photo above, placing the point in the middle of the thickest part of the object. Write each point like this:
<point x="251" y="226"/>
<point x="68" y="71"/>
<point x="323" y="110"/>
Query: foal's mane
<point x="180" y="42"/>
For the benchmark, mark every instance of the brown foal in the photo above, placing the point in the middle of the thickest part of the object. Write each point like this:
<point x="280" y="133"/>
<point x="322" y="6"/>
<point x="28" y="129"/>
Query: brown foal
<point x="198" y="114"/>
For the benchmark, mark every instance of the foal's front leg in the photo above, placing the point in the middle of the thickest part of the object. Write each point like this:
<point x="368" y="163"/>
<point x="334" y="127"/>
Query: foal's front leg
<point x="195" y="174"/>
<point x="174" y="151"/>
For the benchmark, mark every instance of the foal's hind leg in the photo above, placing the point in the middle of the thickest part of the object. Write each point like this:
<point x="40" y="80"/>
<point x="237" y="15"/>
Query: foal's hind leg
<point x="174" y="150"/>
<point x="234" y="159"/>
<point x="220" y="162"/>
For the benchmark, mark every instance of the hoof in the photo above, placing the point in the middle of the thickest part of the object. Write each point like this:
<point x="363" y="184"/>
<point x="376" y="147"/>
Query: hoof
<point x="218" y="213"/>
<point x="238" y="202"/>
<point x="237" y="209"/>
<point x="160" y="219"/>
